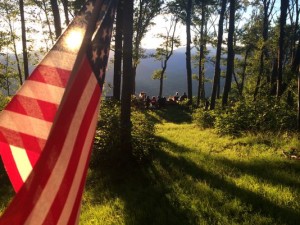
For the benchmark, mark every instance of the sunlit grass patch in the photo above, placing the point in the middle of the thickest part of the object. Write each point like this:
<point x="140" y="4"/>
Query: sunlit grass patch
<point x="109" y="213"/>
<point x="278" y="194"/>
<point x="227" y="180"/>
<point x="196" y="177"/>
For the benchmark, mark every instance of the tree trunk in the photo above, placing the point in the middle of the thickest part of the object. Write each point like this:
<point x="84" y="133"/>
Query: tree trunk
<point x="66" y="11"/>
<point x="14" y="48"/>
<point x="218" y="57"/>
<point x="48" y="22"/>
<point x="168" y="52"/>
<point x="7" y="78"/>
<point x="283" y="16"/>
<point x="267" y="9"/>
<point x="296" y="69"/>
<point x="295" y="29"/>
<point x="133" y="79"/>
<point x="25" y="56"/>
<point x="188" y="51"/>
<point x="298" y="114"/>
<point x="127" y="81"/>
<point x="161" y="79"/>
<point x="118" y="52"/>
<point x="56" y="16"/>
<point x="244" y="70"/>
<point x="201" y="58"/>
<point x="260" y="73"/>
<point x="274" y="77"/>
<point x="230" y="56"/>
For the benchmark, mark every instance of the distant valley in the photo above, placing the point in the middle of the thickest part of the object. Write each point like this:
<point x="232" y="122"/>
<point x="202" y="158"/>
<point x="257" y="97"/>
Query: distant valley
<point x="176" y="79"/>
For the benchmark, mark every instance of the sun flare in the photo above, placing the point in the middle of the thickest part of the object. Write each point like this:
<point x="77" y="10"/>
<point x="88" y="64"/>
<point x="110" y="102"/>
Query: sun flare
<point x="74" y="39"/>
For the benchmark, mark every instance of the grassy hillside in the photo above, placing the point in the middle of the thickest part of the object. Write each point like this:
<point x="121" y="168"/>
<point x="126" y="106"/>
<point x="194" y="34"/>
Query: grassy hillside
<point x="197" y="177"/>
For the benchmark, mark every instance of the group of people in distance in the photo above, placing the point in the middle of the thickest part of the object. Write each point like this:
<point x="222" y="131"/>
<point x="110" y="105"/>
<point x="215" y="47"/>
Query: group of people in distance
<point x="159" y="102"/>
<point x="178" y="98"/>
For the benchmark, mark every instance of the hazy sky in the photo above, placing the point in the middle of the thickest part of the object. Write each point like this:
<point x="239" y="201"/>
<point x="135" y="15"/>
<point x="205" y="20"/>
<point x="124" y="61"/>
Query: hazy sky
<point x="151" y="41"/>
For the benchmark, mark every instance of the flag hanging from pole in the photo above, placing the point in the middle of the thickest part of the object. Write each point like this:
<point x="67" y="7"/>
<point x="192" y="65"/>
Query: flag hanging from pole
<point x="27" y="120"/>
<point x="68" y="84"/>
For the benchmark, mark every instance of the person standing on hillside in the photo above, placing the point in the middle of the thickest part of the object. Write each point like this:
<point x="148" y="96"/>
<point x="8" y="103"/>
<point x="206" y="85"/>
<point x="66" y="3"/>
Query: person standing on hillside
<point x="176" y="97"/>
<point x="147" y="102"/>
<point x="183" y="97"/>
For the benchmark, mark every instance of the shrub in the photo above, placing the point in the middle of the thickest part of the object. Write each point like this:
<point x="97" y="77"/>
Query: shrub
<point x="107" y="139"/>
<point x="3" y="101"/>
<point x="204" y="118"/>
<point x="235" y="119"/>
<point x="262" y="115"/>
<point x="107" y="145"/>
<point x="143" y="141"/>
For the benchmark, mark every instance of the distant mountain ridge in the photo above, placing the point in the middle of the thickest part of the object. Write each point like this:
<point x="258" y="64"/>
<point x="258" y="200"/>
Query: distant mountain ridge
<point x="176" y="80"/>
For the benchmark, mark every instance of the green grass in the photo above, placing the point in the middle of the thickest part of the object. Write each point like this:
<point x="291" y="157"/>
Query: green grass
<point x="197" y="177"/>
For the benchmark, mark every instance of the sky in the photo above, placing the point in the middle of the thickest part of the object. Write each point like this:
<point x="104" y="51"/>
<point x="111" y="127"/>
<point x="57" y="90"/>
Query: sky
<point x="151" y="41"/>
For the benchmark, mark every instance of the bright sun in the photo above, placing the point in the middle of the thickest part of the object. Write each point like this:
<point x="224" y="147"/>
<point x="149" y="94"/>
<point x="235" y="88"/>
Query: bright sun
<point x="74" y="39"/>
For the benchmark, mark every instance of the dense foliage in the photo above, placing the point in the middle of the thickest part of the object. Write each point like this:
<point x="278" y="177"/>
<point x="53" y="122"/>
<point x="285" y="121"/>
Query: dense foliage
<point x="199" y="177"/>
<point x="244" y="116"/>
<point x="107" y="141"/>
<point x="261" y="37"/>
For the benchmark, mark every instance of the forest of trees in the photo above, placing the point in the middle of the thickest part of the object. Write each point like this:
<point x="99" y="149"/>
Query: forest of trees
<point x="257" y="46"/>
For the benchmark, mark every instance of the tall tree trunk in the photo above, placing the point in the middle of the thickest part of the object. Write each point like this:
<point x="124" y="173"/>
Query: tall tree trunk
<point x="230" y="55"/>
<point x="274" y="75"/>
<point x="118" y="52"/>
<point x="56" y="16"/>
<point x="25" y="56"/>
<point x="66" y="11"/>
<point x="7" y="78"/>
<point x="296" y="69"/>
<point x="268" y="6"/>
<point x="298" y="113"/>
<point x="260" y="73"/>
<point x="127" y="81"/>
<point x="203" y="94"/>
<point x="161" y="79"/>
<point x="283" y="16"/>
<point x="296" y="24"/>
<point x="144" y="12"/>
<point x="295" y="30"/>
<point x="134" y="68"/>
<point x="168" y="52"/>
<point x="201" y="58"/>
<point x="48" y="22"/>
<point x="244" y="70"/>
<point x="136" y="47"/>
<point x="188" y="51"/>
<point x="218" y="56"/>
<point x="14" y="47"/>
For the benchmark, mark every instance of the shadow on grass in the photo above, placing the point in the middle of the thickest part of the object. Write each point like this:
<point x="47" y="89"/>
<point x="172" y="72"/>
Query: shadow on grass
<point x="143" y="193"/>
<point x="260" y="205"/>
<point x="276" y="172"/>
<point x="149" y="196"/>
<point x="172" y="113"/>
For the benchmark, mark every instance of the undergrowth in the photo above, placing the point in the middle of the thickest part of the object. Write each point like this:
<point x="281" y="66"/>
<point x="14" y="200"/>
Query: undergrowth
<point x="192" y="176"/>
<point x="199" y="177"/>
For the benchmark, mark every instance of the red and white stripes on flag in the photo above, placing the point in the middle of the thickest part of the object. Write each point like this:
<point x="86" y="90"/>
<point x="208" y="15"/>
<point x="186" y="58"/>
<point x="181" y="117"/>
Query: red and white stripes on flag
<point x="26" y="122"/>
<point x="55" y="132"/>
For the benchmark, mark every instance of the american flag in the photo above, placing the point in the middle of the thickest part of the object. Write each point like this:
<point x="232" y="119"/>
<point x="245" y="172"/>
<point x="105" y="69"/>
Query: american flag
<point x="50" y="124"/>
